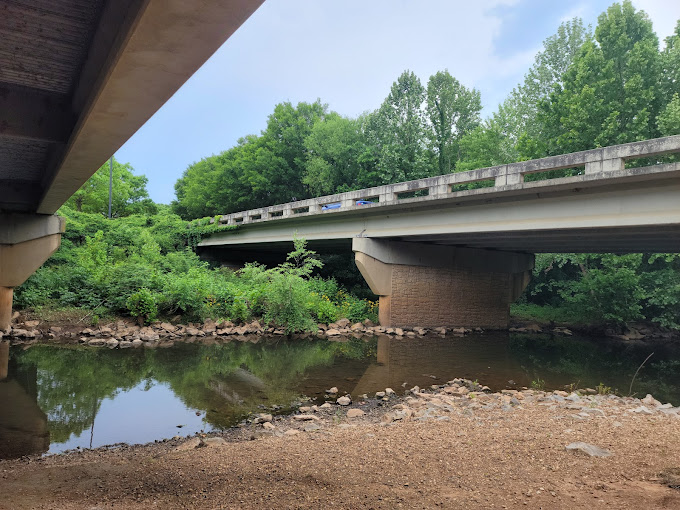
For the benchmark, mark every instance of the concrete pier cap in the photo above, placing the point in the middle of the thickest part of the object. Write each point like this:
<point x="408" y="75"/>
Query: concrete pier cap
<point x="26" y="242"/>
<point x="432" y="285"/>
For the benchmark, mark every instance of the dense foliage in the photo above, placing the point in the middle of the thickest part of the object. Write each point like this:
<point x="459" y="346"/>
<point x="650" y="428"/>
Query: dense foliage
<point x="145" y="266"/>
<point x="586" y="89"/>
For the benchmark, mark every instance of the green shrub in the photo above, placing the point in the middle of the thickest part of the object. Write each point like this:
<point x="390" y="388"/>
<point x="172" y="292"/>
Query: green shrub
<point x="142" y="305"/>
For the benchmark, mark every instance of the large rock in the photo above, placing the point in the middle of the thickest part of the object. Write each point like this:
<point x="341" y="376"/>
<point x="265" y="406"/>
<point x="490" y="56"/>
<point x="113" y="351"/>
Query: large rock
<point x="344" y="401"/>
<point x="589" y="449"/>
<point x="166" y="326"/>
<point x="263" y="418"/>
<point x="355" y="413"/>
<point x="651" y="401"/>
<point x="305" y="417"/>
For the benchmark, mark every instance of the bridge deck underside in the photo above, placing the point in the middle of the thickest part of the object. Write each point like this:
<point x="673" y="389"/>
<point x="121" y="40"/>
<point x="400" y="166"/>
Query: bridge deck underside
<point x="598" y="240"/>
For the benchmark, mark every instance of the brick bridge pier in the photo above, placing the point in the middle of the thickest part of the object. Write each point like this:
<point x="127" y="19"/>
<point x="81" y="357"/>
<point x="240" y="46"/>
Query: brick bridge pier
<point x="431" y="285"/>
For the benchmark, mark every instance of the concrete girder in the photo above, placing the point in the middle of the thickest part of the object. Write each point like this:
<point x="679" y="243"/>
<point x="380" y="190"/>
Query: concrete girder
<point x="26" y="242"/>
<point x="142" y="53"/>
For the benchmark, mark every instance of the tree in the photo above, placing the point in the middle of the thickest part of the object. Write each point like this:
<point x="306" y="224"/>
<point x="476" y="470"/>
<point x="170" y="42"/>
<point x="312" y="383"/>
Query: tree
<point x="452" y="110"/>
<point x="334" y="149"/>
<point x="129" y="193"/>
<point x="278" y="176"/>
<point x="516" y="130"/>
<point x="611" y="92"/>
<point x="397" y="132"/>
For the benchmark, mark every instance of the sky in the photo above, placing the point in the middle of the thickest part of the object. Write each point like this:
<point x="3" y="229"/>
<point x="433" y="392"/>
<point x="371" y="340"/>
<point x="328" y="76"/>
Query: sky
<point x="348" y="53"/>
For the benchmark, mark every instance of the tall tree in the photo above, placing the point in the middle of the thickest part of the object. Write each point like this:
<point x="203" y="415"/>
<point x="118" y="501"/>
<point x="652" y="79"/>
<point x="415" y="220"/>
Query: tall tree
<point x="515" y="131"/>
<point x="453" y="111"/>
<point x="279" y="175"/>
<point x="334" y="149"/>
<point x="397" y="132"/>
<point x="611" y="93"/>
<point x="129" y="192"/>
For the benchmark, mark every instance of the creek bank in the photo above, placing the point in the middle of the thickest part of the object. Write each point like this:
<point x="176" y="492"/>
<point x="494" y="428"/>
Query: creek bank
<point x="125" y="333"/>
<point x="456" y="397"/>
<point x="454" y="445"/>
<point x="437" y="403"/>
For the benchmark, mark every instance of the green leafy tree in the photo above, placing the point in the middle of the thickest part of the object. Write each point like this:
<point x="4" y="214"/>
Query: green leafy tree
<point x="452" y="110"/>
<point x="516" y="130"/>
<point x="397" y="132"/>
<point x="129" y="193"/>
<point x="611" y="92"/>
<point x="333" y="149"/>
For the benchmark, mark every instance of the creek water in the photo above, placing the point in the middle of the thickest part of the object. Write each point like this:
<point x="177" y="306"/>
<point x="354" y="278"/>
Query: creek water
<point x="55" y="398"/>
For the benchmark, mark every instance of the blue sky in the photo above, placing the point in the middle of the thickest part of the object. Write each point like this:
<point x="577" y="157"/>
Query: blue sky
<point x="348" y="53"/>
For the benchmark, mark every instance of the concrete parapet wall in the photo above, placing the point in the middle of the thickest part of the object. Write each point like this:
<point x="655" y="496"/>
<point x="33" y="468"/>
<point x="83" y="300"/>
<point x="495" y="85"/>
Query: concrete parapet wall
<point x="598" y="165"/>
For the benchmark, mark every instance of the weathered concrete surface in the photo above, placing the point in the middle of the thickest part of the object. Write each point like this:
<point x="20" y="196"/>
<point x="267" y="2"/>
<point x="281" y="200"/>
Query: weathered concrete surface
<point x="26" y="242"/>
<point x="631" y="210"/>
<point x="599" y="166"/>
<point x="157" y="51"/>
<point x="432" y="286"/>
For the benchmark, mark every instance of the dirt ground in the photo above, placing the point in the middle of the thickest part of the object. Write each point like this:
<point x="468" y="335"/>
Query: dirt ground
<point x="429" y="450"/>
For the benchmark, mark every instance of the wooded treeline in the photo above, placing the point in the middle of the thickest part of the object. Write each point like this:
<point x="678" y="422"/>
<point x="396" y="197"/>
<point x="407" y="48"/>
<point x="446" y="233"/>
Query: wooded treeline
<point x="584" y="90"/>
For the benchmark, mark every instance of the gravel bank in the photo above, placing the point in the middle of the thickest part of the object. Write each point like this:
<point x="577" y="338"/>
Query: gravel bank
<point x="452" y="446"/>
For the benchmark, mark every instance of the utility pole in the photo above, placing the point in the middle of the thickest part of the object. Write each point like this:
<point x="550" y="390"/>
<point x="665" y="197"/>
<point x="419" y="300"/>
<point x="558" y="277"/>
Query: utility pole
<point x="110" y="183"/>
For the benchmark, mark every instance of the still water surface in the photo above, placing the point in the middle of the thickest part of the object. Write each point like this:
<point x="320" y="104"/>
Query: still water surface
<point x="56" y="398"/>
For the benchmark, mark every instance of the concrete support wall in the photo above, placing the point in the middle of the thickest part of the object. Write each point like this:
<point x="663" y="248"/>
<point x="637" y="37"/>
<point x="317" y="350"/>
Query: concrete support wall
<point x="428" y="285"/>
<point x="26" y="242"/>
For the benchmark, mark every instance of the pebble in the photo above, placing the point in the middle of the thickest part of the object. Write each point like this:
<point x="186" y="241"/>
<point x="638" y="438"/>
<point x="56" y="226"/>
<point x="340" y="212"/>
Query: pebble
<point x="355" y="413"/>
<point x="344" y="401"/>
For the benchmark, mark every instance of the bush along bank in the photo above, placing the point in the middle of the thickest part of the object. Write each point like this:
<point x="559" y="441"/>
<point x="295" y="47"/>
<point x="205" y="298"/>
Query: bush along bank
<point x="145" y="267"/>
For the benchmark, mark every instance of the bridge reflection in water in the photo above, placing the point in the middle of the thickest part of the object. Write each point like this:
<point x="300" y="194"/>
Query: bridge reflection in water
<point x="23" y="425"/>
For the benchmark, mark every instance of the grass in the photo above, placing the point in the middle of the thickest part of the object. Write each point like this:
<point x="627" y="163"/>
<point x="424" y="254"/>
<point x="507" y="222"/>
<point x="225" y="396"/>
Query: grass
<point x="544" y="314"/>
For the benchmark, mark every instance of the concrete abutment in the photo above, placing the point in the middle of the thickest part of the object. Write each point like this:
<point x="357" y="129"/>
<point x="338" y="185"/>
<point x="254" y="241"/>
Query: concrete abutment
<point x="26" y="242"/>
<point x="431" y="285"/>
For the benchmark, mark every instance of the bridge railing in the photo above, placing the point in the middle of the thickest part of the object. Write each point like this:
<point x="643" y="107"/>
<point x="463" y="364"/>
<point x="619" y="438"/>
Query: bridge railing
<point x="603" y="162"/>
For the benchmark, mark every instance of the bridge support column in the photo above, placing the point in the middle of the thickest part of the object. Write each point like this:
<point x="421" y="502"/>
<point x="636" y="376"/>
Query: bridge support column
<point x="430" y="285"/>
<point x="26" y="242"/>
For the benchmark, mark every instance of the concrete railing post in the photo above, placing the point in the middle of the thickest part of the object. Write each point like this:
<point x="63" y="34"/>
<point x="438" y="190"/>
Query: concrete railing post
<point x="387" y="196"/>
<point x="439" y="189"/>
<point x="605" y="165"/>
<point x="346" y="202"/>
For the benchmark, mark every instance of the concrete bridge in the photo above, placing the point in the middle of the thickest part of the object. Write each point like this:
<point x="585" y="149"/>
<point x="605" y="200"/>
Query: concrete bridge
<point x="459" y="257"/>
<point x="77" y="79"/>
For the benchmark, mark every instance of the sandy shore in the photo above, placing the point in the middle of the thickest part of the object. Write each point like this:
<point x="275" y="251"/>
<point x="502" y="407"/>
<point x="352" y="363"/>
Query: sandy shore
<point x="452" y="447"/>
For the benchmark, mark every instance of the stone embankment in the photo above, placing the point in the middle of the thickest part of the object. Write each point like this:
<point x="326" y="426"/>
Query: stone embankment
<point x="123" y="334"/>
<point x="457" y="397"/>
